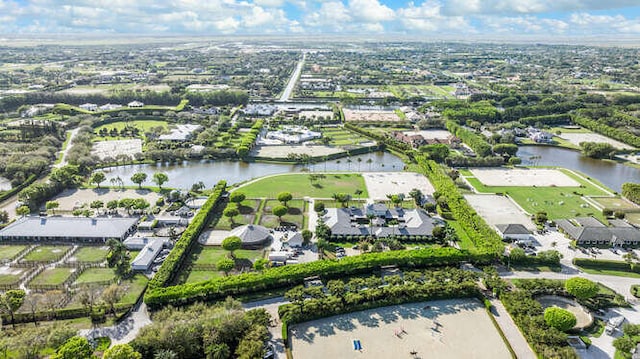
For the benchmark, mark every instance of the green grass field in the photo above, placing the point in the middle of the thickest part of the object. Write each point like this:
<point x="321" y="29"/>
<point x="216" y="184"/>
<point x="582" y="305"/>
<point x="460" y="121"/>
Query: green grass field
<point x="91" y="254"/>
<point x="212" y="254"/>
<point x="558" y="202"/>
<point x="133" y="288"/>
<point x="300" y="186"/>
<point x="341" y="137"/>
<point x="202" y="275"/>
<point x="95" y="275"/>
<point x="143" y="125"/>
<point x="9" y="252"/>
<point x="12" y="278"/>
<point x="614" y="203"/>
<point x="633" y="218"/>
<point x="248" y="211"/>
<point x="46" y="253"/>
<point x="52" y="276"/>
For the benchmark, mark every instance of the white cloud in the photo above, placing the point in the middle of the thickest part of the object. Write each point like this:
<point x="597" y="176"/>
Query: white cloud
<point x="428" y="17"/>
<point x="371" y="10"/>
<point x="332" y="15"/>
<point x="500" y="7"/>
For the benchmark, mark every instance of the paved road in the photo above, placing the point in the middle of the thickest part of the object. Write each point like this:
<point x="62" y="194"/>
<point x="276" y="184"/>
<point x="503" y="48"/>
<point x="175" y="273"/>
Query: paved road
<point x="292" y="81"/>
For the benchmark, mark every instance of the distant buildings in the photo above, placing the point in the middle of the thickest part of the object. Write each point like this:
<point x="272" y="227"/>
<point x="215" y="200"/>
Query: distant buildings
<point x="293" y="134"/>
<point x="135" y="104"/>
<point x="416" y="140"/>
<point x="89" y="107"/>
<point x="260" y="110"/>
<point x="68" y="229"/>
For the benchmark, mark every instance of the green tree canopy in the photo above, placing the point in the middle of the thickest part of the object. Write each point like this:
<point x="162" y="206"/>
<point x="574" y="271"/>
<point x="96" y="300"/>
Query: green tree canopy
<point x="160" y="178"/>
<point x="559" y="318"/>
<point x="97" y="178"/>
<point x="285" y="197"/>
<point x="231" y="244"/>
<point x="74" y="348"/>
<point x="139" y="178"/>
<point x="237" y="197"/>
<point x="581" y="288"/>
<point x="279" y="211"/>
<point x="121" y="351"/>
<point x="225" y="264"/>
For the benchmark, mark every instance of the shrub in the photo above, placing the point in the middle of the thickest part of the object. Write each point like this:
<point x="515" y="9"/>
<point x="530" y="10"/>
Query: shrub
<point x="559" y="318"/>
<point x="581" y="288"/>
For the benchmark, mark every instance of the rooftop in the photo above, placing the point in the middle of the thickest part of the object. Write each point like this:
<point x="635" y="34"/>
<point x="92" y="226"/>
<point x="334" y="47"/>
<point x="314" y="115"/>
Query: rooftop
<point x="69" y="227"/>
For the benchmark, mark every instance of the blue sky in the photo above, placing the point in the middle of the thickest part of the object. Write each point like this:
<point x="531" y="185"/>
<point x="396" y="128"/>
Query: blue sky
<point x="457" y="18"/>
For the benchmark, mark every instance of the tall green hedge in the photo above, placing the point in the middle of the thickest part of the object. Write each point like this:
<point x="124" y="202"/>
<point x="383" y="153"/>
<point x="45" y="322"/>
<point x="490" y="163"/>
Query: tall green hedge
<point x="483" y="237"/>
<point x="181" y="249"/>
<point x="631" y="191"/>
<point x="287" y="276"/>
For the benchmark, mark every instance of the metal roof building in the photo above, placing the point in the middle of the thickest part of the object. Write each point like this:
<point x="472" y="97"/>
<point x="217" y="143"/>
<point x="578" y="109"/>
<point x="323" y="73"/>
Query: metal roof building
<point x="68" y="229"/>
<point x="147" y="255"/>
<point x="252" y="235"/>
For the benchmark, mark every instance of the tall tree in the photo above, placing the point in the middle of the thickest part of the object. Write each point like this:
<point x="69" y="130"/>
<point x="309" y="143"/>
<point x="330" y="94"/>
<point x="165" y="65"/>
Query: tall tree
<point x="160" y="178"/>
<point x="139" y="178"/>
<point x="97" y="178"/>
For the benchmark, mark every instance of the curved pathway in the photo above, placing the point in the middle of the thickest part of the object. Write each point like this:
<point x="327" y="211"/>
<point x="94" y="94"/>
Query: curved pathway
<point x="65" y="151"/>
<point x="124" y="331"/>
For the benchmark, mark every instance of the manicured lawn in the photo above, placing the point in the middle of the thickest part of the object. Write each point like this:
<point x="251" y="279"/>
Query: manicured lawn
<point x="558" y="202"/>
<point x="52" y="276"/>
<point x="294" y="216"/>
<point x="144" y="126"/>
<point x="202" y="275"/>
<point x="634" y="218"/>
<point x="91" y="254"/>
<point x="94" y="275"/>
<point x="133" y="288"/>
<point x="300" y="186"/>
<point x="212" y="254"/>
<point x="247" y="214"/>
<point x="614" y="203"/>
<point x="9" y="252"/>
<point x="463" y="238"/>
<point x="10" y="278"/>
<point x="46" y="253"/>
<point x="610" y="272"/>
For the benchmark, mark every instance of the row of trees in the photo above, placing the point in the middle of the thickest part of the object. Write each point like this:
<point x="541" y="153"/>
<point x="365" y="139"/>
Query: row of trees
<point x="477" y="142"/>
<point x="248" y="140"/>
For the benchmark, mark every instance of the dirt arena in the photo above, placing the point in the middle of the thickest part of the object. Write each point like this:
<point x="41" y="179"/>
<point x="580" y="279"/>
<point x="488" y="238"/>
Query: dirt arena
<point x="104" y="149"/>
<point x="576" y="138"/>
<point x="498" y="210"/>
<point x="380" y="184"/>
<point x="458" y="328"/>
<point x="370" y="116"/>
<point x="523" y="177"/>
<point x="282" y="151"/>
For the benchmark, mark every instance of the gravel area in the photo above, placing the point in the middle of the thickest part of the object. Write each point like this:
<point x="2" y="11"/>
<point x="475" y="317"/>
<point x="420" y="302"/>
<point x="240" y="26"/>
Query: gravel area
<point x="380" y="184"/>
<point x="523" y="177"/>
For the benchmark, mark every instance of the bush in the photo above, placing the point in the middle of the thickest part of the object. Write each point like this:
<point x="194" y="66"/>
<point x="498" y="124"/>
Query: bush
<point x="559" y="318"/>
<point x="581" y="288"/>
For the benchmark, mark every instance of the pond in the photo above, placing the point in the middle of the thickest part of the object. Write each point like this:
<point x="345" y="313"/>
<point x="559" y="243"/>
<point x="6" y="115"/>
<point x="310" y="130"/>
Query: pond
<point x="210" y="172"/>
<point x="612" y="174"/>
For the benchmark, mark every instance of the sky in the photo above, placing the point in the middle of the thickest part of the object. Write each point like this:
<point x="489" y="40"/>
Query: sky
<point x="428" y="19"/>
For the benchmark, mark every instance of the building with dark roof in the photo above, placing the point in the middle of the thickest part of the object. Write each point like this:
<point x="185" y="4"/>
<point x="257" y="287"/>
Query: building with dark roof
<point x="252" y="236"/>
<point x="513" y="231"/>
<point x="69" y="229"/>
<point x="590" y="231"/>
<point x="379" y="221"/>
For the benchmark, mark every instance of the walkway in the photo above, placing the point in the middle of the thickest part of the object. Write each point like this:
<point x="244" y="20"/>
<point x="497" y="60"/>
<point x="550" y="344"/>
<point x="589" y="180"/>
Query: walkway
<point x="126" y="330"/>
<point x="65" y="151"/>
<point x="511" y="332"/>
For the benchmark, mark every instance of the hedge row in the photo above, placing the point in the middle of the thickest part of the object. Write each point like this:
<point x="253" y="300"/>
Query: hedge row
<point x="478" y="143"/>
<point x="65" y="313"/>
<point x="10" y="193"/>
<point x="605" y="264"/>
<point x="631" y="191"/>
<point x="168" y="270"/>
<point x="288" y="276"/>
<point x="483" y="237"/>
<point x="249" y="139"/>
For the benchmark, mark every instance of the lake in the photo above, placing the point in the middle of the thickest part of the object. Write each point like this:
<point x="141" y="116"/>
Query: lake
<point x="210" y="172"/>
<point x="612" y="174"/>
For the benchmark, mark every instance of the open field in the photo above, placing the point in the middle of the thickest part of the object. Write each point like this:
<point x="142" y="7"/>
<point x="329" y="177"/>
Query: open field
<point x="340" y="136"/>
<point x="633" y="218"/>
<point x="538" y="177"/>
<point x="52" y="276"/>
<point x="380" y="184"/>
<point x="463" y="330"/>
<point x="498" y="210"/>
<point x="104" y="149"/>
<point x="282" y="151"/>
<point x="95" y="275"/>
<point x="7" y="253"/>
<point x="10" y="275"/>
<point x="558" y="202"/>
<point x="370" y="116"/>
<point x="46" y="254"/>
<point x="143" y="125"/>
<point x="300" y="186"/>
<point x="576" y="138"/>
<point x="90" y="254"/>
<point x="202" y="275"/>
<point x="212" y="254"/>
<point x="615" y="203"/>
<point x="76" y="198"/>
<point x="430" y="134"/>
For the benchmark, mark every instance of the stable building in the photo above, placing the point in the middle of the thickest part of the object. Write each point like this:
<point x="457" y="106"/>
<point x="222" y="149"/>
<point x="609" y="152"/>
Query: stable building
<point x="513" y="231"/>
<point x="69" y="229"/>
<point x="590" y="231"/>
<point x="252" y="236"/>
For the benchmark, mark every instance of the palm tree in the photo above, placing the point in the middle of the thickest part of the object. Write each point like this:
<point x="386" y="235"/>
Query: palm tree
<point x="349" y="163"/>
<point x="338" y="167"/>
<point x="369" y="161"/>
<point x="359" y="161"/>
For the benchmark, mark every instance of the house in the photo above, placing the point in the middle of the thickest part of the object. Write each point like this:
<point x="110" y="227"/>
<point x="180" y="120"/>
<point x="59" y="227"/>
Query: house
<point x="135" y="104"/>
<point x="378" y="221"/>
<point x="138" y="243"/>
<point x="109" y="107"/>
<point x="590" y="231"/>
<point x="414" y="140"/>
<point x="69" y="229"/>
<point x="513" y="231"/>
<point x="147" y="255"/>
<point x="89" y="107"/>
<point x="252" y="236"/>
